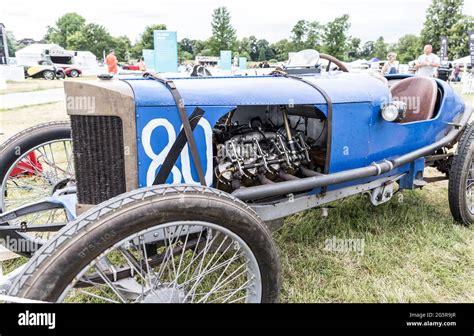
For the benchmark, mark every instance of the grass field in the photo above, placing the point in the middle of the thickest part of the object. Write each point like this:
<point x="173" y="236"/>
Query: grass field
<point x="35" y="84"/>
<point x="413" y="251"/>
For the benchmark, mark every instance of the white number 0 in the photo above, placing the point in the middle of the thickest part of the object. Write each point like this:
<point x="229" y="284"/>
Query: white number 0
<point x="158" y="159"/>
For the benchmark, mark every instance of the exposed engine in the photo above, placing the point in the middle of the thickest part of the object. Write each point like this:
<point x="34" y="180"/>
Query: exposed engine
<point x="266" y="149"/>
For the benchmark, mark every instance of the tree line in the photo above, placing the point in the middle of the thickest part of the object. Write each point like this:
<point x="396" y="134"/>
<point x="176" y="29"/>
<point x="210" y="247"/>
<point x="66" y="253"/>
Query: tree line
<point x="443" y="18"/>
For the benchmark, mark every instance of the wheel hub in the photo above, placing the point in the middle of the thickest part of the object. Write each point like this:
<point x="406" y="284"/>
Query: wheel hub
<point x="164" y="295"/>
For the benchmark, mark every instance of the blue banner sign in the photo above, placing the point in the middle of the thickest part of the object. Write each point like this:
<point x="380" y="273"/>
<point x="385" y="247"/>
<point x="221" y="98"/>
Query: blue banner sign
<point x="149" y="58"/>
<point x="242" y="63"/>
<point x="166" y="51"/>
<point x="226" y="60"/>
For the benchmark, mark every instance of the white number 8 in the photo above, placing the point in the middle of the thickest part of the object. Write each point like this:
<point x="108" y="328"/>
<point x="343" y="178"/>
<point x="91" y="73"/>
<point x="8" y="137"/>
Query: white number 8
<point x="158" y="159"/>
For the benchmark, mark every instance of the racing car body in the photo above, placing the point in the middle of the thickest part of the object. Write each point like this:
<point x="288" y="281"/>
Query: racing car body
<point x="260" y="138"/>
<point x="167" y="170"/>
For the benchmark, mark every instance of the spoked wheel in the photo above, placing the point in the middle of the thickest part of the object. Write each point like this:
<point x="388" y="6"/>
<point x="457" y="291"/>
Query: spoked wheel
<point x="36" y="164"/>
<point x="174" y="244"/>
<point x="461" y="179"/>
<point x="74" y="73"/>
<point x="49" y="75"/>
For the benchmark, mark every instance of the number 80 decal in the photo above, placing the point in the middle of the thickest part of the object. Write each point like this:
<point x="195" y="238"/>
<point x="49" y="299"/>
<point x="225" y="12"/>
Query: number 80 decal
<point x="157" y="159"/>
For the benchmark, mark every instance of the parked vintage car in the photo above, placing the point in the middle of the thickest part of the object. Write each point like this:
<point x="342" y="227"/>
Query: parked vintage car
<point x="71" y="70"/>
<point x="46" y="71"/>
<point x="176" y="180"/>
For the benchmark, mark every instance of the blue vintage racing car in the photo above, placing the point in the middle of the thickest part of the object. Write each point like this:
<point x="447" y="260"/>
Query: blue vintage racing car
<point x="171" y="185"/>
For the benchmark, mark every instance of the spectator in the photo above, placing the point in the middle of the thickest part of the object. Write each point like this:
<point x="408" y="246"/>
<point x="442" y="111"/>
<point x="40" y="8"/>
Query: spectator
<point x="111" y="62"/>
<point x="456" y="77"/>
<point x="390" y="67"/>
<point x="428" y="63"/>
<point x="141" y="64"/>
<point x="266" y="65"/>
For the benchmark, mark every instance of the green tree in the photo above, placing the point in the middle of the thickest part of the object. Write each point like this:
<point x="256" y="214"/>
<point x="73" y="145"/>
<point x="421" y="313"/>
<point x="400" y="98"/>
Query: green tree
<point x="92" y="37"/>
<point x="66" y="26"/>
<point x="122" y="46"/>
<point x="146" y="39"/>
<point x="313" y="35"/>
<point x="186" y="45"/>
<point x="12" y="44"/>
<point x="185" y="56"/>
<point x="306" y="35"/>
<point x="440" y="18"/>
<point x="299" y="32"/>
<point x="335" y="37"/>
<point x="408" y="48"/>
<point x="198" y="45"/>
<point x="281" y="49"/>
<point x="247" y="47"/>
<point x="354" y="49"/>
<point x="265" y="52"/>
<point x="458" y="38"/>
<point x="223" y="34"/>
<point x="261" y="55"/>
<point x="367" y="51"/>
<point x="380" y="48"/>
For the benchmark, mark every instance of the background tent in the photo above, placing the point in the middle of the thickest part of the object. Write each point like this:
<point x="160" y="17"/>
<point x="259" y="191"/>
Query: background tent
<point x="86" y="61"/>
<point x="463" y="60"/>
<point x="30" y="55"/>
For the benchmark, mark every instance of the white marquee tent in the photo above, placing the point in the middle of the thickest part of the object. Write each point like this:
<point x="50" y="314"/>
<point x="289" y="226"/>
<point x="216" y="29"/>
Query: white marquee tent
<point x="31" y="54"/>
<point x="463" y="60"/>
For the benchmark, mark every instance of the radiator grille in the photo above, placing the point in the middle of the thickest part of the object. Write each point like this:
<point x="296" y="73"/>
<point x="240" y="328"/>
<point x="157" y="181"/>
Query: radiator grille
<point x="98" y="157"/>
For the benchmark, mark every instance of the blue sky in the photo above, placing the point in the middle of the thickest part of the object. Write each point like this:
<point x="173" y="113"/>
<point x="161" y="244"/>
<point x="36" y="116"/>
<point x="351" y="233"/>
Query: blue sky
<point x="272" y="20"/>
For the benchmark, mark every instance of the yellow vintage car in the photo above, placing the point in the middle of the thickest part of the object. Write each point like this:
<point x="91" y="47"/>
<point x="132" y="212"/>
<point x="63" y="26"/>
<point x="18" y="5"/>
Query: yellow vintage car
<point x="44" y="70"/>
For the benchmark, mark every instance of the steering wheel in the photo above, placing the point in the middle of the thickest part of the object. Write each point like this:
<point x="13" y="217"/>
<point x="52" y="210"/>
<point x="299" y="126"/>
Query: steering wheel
<point x="332" y="59"/>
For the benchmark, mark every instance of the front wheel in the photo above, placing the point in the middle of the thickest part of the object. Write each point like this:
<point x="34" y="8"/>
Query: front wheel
<point x="461" y="180"/>
<point x="160" y="244"/>
<point x="34" y="164"/>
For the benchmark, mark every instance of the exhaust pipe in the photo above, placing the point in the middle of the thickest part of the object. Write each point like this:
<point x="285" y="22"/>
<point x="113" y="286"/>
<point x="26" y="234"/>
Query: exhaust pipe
<point x="309" y="183"/>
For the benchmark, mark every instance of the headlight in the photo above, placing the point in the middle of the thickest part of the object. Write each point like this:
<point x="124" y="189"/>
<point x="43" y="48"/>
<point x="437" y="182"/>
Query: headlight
<point x="394" y="111"/>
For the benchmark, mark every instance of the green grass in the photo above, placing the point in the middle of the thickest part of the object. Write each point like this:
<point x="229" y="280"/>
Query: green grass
<point x="34" y="106"/>
<point x="36" y="84"/>
<point x="30" y="85"/>
<point x="414" y="252"/>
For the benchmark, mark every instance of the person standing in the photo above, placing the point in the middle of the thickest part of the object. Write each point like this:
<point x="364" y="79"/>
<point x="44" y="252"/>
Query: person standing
<point x="428" y="63"/>
<point x="456" y="76"/>
<point x="141" y="64"/>
<point x="390" y="67"/>
<point x="111" y="61"/>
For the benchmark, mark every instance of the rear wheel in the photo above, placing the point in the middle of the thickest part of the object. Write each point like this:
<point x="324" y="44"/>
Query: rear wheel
<point x="174" y="244"/>
<point x="48" y="74"/>
<point x="74" y="73"/>
<point x="461" y="180"/>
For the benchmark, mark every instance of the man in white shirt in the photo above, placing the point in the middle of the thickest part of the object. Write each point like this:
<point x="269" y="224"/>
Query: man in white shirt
<point x="428" y="63"/>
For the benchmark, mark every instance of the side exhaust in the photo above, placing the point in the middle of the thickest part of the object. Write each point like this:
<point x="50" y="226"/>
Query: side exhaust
<point x="308" y="183"/>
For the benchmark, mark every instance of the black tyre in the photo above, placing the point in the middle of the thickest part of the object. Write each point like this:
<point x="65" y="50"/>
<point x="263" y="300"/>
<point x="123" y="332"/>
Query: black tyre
<point x="73" y="73"/>
<point x="49" y="75"/>
<point x="22" y="182"/>
<point x="184" y="216"/>
<point x="60" y="74"/>
<point x="461" y="179"/>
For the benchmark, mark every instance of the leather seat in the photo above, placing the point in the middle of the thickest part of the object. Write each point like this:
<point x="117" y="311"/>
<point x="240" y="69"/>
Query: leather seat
<point x="419" y="93"/>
